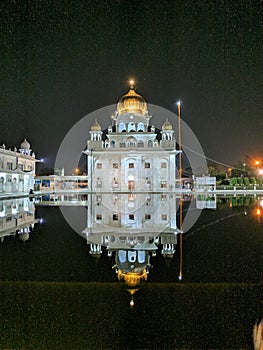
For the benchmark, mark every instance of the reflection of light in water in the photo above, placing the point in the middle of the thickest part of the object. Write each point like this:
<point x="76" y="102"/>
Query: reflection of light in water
<point x="216" y="222"/>
<point x="132" y="303"/>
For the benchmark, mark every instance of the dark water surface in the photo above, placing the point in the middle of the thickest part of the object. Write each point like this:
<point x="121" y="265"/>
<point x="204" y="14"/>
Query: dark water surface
<point x="55" y="295"/>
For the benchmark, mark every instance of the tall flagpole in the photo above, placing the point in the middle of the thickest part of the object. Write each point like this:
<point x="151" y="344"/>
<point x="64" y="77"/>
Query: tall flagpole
<point x="181" y="201"/>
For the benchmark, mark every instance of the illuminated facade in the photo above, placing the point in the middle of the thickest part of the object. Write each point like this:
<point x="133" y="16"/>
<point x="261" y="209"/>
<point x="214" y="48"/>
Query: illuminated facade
<point x="17" y="169"/>
<point x="132" y="173"/>
<point x="131" y="154"/>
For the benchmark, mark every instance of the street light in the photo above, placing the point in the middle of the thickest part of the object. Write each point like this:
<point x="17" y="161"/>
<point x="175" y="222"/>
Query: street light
<point x="181" y="200"/>
<point x="179" y="141"/>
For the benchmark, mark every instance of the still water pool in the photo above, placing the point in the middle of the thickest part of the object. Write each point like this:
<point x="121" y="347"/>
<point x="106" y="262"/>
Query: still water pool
<point x="59" y="272"/>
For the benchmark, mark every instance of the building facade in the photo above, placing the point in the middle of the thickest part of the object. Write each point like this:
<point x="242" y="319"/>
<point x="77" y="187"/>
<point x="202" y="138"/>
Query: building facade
<point x="132" y="173"/>
<point x="131" y="154"/>
<point x="17" y="169"/>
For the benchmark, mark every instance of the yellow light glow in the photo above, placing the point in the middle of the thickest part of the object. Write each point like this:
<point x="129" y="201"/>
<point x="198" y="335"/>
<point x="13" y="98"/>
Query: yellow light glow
<point x="257" y="162"/>
<point x="258" y="212"/>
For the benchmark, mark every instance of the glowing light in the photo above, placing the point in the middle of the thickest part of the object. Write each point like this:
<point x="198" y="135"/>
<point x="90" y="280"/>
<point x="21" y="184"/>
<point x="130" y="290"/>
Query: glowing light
<point x="178" y="103"/>
<point x="260" y="171"/>
<point x="132" y="303"/>
<point x="229" y="169"/>
<point x="77" y="171"/>
<point x="41" y="220"/>
<point x="257" y="162"/>
<point x="131" y="82"/>
<point x="42" y="160"/>
<point x="258" y="211"/>
<point x="261" y="203"/>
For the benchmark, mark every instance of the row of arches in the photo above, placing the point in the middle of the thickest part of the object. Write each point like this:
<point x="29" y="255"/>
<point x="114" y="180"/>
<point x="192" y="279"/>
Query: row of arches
<point x="131" y="142"/>
<point x="131" y="127"/>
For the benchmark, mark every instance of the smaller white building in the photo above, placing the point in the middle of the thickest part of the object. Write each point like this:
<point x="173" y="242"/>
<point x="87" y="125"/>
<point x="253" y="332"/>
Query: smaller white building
<point x="17" y="169"/>
<point x="205" y="183"/>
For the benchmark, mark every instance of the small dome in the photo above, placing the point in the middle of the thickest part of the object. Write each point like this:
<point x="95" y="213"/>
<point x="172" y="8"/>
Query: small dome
<point x="24" y="236"/>
<point x="96" y="126"/>
<point x="25" y="144"/>
<point x="167" y="125"/>
<point x="132" y="102"/>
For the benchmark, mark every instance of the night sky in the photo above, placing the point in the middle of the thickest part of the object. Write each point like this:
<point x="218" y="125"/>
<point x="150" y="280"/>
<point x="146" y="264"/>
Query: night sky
<point x="61" y="60"/>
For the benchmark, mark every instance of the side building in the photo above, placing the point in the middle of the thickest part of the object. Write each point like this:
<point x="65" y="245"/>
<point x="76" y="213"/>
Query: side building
<point x="17" y="169"/>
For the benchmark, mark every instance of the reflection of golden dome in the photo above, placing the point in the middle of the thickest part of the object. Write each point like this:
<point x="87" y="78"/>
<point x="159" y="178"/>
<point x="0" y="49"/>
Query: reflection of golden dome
<point x="132" y="102"/>
<point x="96" y="126"/>
<point x="132" y="279"/>
<point x="167" y="125"/>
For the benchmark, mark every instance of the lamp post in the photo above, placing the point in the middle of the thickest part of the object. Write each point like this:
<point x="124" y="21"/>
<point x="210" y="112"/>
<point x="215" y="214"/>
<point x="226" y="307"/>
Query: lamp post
<point x="179" y="142"/>
<point x="181" y="201"/>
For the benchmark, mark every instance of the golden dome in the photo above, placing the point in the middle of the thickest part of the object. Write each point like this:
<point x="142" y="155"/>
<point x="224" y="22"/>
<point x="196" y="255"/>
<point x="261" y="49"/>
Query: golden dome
<point x="96" y="126"/>
<point x="132" y="102"/>
<point x="167" y="125"/>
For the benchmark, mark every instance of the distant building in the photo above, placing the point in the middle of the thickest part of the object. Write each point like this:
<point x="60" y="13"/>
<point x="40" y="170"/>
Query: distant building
<point x="205" y="183"/>
<point x="17" y="169"/>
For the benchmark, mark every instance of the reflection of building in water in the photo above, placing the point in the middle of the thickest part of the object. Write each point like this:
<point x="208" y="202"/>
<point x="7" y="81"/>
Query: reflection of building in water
<point x="17" y="169"/>
<point x="206" y="201"/>
<point x="131" y="227"/>
<point x="17" y="216"/>
<point x="61" y="183"/>
<point x="132" y="154"/>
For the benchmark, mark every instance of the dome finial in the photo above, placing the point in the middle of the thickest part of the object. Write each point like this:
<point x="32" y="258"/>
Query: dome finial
<point x="131" y="82"/>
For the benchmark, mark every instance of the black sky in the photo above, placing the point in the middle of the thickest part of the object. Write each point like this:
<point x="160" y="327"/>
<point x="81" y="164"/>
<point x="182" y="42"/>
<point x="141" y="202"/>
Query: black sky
<point x="61" y="60"/>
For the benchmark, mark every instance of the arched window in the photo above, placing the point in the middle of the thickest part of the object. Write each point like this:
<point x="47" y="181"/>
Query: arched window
<point x="131" y="142"/>
<point x="131" y="127"/>
<point x="112" y="144"/>
<point x="122" y="127"/>
<point x="140" y="127"/>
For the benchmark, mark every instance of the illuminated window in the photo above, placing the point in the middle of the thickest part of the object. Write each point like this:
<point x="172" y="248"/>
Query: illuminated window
<point x="131" y="165"/>
<point x="163" y="184"/>
<point x="147" y="165"/>
<point x="99" y="165"/>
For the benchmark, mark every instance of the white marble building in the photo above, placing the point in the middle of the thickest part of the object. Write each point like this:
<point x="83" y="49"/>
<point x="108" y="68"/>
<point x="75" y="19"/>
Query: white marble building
<point x="131" y="154"/>
<point x="17" y="169"/>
